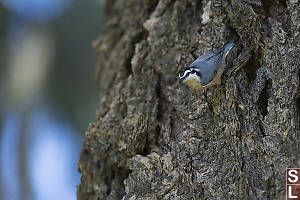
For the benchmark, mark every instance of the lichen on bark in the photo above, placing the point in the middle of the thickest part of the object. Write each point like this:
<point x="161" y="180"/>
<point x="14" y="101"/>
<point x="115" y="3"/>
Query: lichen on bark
<point x="154" y="138"/>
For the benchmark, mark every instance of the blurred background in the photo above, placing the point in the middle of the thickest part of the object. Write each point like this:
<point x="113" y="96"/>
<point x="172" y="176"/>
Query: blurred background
<point x="48" y="94"/>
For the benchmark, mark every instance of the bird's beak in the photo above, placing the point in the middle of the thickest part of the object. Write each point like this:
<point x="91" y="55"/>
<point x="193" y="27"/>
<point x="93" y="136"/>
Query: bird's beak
<point x="180" y="74"/>
<point x="180" y="80"/>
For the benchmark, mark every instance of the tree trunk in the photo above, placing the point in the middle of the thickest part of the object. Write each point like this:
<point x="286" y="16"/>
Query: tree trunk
<point x="154" y="138"/>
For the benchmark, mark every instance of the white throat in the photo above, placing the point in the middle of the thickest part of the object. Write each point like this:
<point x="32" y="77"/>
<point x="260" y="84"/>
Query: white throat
<point x="192" y="78"/>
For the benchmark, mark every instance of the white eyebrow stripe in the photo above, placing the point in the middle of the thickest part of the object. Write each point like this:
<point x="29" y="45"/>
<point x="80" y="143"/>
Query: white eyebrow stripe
<point x="187" y="71"/>
<point x="198" y="70"/>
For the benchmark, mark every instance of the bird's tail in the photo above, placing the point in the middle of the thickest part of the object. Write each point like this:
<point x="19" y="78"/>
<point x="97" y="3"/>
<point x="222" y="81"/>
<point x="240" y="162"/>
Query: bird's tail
<point x="226" y="50"/>
<point x="227" y="47"/>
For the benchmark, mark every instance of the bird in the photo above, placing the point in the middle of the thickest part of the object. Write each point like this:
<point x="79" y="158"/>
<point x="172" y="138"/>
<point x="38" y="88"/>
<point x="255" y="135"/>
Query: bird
<point x="206" y="70"/>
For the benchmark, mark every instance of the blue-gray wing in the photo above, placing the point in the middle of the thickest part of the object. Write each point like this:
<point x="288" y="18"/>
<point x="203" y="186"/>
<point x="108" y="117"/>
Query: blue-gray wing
<point x="207" y="56"/>
<point x="214" y="56"/>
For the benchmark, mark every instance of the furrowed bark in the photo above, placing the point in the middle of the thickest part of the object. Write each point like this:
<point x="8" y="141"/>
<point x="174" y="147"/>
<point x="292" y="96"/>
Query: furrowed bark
<point x="154" y="138"/>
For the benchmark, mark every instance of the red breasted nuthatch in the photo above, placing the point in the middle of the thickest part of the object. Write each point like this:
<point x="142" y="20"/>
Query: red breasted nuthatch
<point x="206" y="70"/>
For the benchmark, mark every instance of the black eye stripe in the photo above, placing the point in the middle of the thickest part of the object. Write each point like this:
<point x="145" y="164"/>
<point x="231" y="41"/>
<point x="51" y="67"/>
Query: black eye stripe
<point x="184" y="74"/>
<point x="193" y="72"/>
<point x="187" y="72"/>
